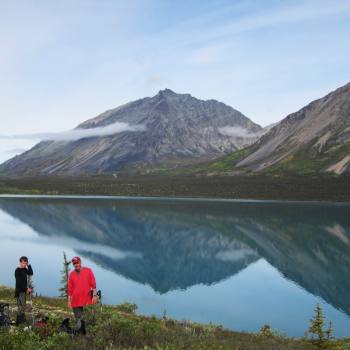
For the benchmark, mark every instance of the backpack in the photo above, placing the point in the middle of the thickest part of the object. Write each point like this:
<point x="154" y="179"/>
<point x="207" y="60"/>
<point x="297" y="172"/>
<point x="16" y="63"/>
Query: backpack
<point x="65" y="327"/>
<point x="5" y="320"/>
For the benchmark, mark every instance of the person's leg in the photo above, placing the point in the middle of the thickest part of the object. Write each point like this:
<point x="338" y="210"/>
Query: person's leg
<point x="21" y="304"/>
<point x="78" y="314"/>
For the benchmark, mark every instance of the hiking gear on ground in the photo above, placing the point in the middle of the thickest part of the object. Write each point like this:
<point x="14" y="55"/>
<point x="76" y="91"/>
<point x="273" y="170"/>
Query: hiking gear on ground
<point x="40" y="325"/>
<point x="80" y="284"/>
<point x="5" y="320"/>
<point x="65" y="327"/>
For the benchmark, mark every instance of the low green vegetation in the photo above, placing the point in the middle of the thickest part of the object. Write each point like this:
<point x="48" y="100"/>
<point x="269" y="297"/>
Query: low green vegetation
<point x="321" y="337"/>
<point x="228" y="162"/>
<point x="64" y="277"/>
<point x="312" y="159"/>
<point x="120" y="327"/>
<point x="309" y="160"/>
<point x="302" y="162"/>
<point x="277" y="186"/>
<point x="221" y="165"/>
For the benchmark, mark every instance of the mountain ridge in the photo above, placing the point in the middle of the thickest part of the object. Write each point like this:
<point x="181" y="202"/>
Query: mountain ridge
<point x="318" y="128"/>
<point x="187" y="135"/>
<point x="313" y="140"/>
<point x="177" y="128"/>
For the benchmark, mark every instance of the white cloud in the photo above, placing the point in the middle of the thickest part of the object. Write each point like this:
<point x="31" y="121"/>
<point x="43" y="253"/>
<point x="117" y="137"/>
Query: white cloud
<point x="77" y="134"/>
<point x="111" y="129"/>
<point x="236" y="131"/>
<point x="269" y="18"/>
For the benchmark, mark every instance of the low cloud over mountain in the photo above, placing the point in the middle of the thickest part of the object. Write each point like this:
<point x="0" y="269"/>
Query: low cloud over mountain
<point x="77" y="134"/>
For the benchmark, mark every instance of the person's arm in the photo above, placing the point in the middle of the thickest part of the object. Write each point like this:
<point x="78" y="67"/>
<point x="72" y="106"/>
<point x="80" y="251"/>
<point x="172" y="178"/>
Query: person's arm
<point x="30" y="270"/>
<point x="93" y="287"/>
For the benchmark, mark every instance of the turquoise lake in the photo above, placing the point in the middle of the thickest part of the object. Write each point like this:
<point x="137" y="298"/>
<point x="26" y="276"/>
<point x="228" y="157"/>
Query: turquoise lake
<point x="241" y="264"/>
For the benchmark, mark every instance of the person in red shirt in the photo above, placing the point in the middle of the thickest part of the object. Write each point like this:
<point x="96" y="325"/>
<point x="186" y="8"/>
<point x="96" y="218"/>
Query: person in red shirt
<point x="81" y="284"/>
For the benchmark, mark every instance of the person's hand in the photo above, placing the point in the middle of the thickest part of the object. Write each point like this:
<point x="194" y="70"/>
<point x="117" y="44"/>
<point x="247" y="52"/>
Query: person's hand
<point x="29" y="290"/>
<point x="69" y="304"/>
<point x="94" y="299"/>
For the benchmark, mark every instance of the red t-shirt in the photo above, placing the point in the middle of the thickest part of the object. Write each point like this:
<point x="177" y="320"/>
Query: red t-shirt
<point x="80" y="285"/>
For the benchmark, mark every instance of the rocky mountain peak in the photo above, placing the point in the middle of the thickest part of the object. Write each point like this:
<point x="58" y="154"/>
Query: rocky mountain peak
<point x="168" y="128"/>
<point x="172" y="96"/>
<point x="166" y="92"/>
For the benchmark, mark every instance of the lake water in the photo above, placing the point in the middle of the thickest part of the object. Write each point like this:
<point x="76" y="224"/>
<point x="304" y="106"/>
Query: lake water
<point x="241" y="264"/>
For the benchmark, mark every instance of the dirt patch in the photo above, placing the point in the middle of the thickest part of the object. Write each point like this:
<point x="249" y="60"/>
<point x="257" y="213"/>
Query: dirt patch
<point x="341" y="166"/>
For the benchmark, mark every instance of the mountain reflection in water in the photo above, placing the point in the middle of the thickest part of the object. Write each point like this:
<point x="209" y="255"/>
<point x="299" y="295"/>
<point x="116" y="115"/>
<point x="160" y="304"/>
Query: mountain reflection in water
<point x="173" y="245"/>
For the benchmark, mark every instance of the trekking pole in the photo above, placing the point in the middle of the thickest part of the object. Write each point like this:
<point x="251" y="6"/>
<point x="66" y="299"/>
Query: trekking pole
<point x="99" y="294"/>
<point x="31" y="309"/>
<point x="31" y="286"/>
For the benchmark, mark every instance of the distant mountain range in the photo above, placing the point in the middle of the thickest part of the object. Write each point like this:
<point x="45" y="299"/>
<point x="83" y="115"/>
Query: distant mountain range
<point x="168" y="128"/>
<point x="178" y="131"/>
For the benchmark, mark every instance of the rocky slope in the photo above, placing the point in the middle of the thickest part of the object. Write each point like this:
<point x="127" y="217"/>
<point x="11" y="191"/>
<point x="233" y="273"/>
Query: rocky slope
<point x="171" y="129"/>
<point x="314" y="139"/>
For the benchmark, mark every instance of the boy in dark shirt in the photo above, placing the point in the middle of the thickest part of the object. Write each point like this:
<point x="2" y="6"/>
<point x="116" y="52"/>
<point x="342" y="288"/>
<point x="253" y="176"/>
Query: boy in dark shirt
<point x="22" y="288"/>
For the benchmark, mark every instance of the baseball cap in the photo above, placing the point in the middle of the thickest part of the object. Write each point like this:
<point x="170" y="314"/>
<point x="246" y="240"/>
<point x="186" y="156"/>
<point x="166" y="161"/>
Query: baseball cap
<point x="76" y="259"/>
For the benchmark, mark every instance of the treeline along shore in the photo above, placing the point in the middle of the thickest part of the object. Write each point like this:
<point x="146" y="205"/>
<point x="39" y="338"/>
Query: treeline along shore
<point x="263" y="187"/>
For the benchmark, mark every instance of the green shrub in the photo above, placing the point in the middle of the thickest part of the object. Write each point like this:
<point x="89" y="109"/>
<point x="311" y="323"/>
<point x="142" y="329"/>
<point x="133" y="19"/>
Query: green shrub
<point x="129" y="308"/>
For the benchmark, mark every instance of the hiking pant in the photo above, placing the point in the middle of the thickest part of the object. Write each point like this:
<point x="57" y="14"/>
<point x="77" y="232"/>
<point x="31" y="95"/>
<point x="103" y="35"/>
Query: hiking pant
<point x="78" y="314"/>
<point x="21" y="304"/>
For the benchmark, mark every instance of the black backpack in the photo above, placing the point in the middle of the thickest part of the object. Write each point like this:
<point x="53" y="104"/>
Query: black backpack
<point x="65" y="327"/>
<point x="5" y="320"/>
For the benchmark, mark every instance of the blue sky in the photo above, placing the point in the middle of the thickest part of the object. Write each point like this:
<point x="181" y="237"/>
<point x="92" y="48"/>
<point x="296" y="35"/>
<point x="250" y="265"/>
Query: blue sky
<point x="64" y="62"/>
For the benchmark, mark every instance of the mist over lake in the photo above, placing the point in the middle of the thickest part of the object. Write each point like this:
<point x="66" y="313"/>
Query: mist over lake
<point x="241" y="264"/>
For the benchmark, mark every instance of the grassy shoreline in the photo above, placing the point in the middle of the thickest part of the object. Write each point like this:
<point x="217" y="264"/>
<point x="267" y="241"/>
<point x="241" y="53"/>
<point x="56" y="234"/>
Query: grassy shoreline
<point x="264" y="187"/>
<point x="119" y="327"/>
